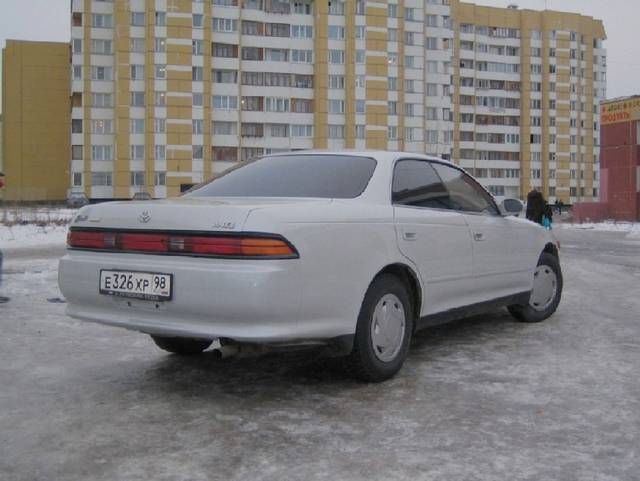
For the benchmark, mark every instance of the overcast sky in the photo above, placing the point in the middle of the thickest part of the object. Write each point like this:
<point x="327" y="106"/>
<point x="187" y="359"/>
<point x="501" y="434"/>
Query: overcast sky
<point x="49" y="20"/>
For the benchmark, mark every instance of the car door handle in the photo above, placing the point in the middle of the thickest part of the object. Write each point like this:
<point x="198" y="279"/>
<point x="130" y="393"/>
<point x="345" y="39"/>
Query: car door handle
<point x="478" y="236"/>
<point x="409" y="236"/>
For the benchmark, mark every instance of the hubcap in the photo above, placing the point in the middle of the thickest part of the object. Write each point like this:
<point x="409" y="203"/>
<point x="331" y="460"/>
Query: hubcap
<point x="545" y="285"/>
<point x="387" y="327"/>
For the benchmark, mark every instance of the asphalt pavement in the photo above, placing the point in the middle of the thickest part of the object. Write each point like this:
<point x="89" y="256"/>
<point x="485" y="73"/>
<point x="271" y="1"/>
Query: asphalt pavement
<point x="485" y="398"/>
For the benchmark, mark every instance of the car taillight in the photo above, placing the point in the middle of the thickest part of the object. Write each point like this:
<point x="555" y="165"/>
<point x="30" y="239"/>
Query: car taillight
<point x="215" y="245"/>
<point x="86" y="240"/>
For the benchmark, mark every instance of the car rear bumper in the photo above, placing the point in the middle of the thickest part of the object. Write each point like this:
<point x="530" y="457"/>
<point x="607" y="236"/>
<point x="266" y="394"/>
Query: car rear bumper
<point x="244" y="300"/>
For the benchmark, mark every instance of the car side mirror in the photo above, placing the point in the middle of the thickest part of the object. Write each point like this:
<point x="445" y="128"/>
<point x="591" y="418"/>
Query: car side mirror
<point x="511" y="207"/>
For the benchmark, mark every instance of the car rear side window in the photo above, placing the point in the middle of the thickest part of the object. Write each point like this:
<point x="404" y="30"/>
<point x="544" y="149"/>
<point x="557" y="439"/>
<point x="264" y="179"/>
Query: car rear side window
<point x="416" y="183"/>
<point x="305" y="175"/>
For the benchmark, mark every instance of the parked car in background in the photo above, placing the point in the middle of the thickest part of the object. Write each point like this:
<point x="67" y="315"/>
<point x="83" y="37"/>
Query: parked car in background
<point x="141" y="196"/>
<point x="351" y="251"/>
<point x="77" y="199"/>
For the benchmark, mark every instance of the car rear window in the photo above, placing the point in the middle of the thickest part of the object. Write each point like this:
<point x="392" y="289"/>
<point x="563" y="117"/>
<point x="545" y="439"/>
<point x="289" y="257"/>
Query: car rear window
<point x="310" y="175"/>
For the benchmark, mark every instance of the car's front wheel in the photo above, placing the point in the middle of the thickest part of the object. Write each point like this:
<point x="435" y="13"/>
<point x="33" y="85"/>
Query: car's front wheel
<point x="546" y="292"/>
<point x="182" y="345"/>
<point x="383" y="331"/>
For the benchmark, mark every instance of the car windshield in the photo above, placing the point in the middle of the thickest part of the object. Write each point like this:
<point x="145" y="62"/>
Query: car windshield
<point x="304" y="175"/>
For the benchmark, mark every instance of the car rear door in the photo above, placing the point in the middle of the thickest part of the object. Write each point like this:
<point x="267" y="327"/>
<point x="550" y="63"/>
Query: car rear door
<point x="434" y="237"/>
<point x="499" y="267"/>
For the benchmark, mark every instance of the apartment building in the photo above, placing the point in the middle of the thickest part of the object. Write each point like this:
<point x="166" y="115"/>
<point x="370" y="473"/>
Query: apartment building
<point x="526" y="110"/>
<point x="168" y="92"/>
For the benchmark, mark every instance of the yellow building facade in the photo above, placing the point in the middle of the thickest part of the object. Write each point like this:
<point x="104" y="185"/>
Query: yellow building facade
<point x="526" y="107"/>
<point x="35" y="120"/>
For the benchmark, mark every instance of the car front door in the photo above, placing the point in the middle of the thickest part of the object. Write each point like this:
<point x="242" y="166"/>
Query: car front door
<point x="499" y="267"/>
<point x="433" y="236"/>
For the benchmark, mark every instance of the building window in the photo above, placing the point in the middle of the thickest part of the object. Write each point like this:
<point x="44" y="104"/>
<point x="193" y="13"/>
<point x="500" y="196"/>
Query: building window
<point x="137" y="99"/>
<point x="197" y="152"/>
<point x="197" y="127"/>
<point x="76" y="45"/>
<point x="101" y="179"/>
<point x="137" y="45"/>
<point x="159" y="99"/>
<point x="102" y="126"/>
<point x="336" y="56"/>
<point x="99" y="100"/>
<point x="161" y="19"/>
<point x="77" y="152"/>
<point x="100" y="20"/>
<point x="197" y="47"/>
<point x="336" y="81"/>
<point x="101" y="73"/>
<point x="77" y="179"/>
<point x="198" y="20"/>
<point x="224" y="128"/>
<point x="336" y="131"/>
<point x="224" y="24"/>
<point x="76" y="126"/>
<point x="336" y="7"/>
<point x="335" y="32"/>
<point x="137" y="19"/>
<point x="160" y="152"/>
<point x="302" y="56"/>
<point x="160" y="45"/>
<point x="137" y="152"/>
<point x="101" y="152"/>
<point x="197" y="74"/>
<point x="136" y="126"/>
<point x="137" y="72"/>
<point x="137" y="179"/>
<point x="159" y="178"/>
<point x="225" y="153"/>
<point x="301" y="130"/>
<point x="225" y="102"/>
<point x="336" y="106"/>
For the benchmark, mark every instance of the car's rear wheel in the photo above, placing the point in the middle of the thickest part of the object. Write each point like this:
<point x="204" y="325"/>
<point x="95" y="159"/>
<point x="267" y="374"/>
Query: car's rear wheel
<point x="546" y="292"/>
<point x="182" y="345"/>
<point x="383" y="332"/>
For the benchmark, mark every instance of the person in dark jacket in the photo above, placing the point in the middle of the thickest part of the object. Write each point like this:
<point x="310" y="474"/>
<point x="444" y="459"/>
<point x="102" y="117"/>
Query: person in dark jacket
<point x="535" y="206"/>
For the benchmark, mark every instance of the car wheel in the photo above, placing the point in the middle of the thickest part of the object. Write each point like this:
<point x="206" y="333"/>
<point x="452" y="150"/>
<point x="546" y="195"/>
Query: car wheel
<point x="182" y="345"/>
<point x="546" y="292"/>
<point x="383" y="331"/>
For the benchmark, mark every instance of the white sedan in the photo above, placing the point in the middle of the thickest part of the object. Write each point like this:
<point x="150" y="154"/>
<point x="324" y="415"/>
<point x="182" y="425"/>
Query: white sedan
<point x="353" y="251"/>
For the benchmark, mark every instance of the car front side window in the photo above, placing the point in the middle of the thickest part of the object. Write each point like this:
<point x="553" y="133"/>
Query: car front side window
<point x="465" y="194"/>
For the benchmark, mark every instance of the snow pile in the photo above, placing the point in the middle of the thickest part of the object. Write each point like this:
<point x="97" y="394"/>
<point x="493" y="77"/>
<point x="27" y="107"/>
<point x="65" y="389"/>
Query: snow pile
<point x="35" y="215"/>
<point x="631" y="228"/>
<point x="32" y="235"/>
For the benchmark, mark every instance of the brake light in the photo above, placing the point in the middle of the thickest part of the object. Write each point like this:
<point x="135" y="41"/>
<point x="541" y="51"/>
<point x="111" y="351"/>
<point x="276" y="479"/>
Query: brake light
<point x="255" y="246"/>
<point x="86" y="240"/>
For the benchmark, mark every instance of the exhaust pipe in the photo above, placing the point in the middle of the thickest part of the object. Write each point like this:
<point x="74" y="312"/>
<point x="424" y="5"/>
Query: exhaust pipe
<point x="226" y="350"/>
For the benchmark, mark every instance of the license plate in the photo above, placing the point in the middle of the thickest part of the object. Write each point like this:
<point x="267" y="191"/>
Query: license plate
<point x="149" y="286"/>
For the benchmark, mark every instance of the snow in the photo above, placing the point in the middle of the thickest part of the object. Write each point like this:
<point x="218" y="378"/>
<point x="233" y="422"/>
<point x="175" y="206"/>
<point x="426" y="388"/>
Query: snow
<point x="39" y="215"/>
<point x="632" y="229"/>
<point x="32" y="235"/>
<point x="28" y="227"/>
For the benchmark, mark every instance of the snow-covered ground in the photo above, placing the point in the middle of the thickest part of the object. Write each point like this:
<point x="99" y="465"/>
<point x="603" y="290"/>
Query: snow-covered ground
<point x="35" y="215"/>
<point x="32" y="235"/>
<point x="631" y="228"/>
<point x="33" y="226"/>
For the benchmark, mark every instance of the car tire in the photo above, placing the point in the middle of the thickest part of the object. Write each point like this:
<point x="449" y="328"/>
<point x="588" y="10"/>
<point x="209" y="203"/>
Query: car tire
<point x="386" y="317"/>
<point x="182" y="345"/>
<point x="546" y="293"/>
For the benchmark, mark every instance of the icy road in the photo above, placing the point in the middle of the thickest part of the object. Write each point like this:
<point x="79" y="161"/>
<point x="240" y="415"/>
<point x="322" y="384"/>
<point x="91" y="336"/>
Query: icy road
<point x="482" y="399"/>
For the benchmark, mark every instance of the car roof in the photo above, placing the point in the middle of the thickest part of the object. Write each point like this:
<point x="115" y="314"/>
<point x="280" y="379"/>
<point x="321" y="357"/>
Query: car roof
<point x="379" y="155"/>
